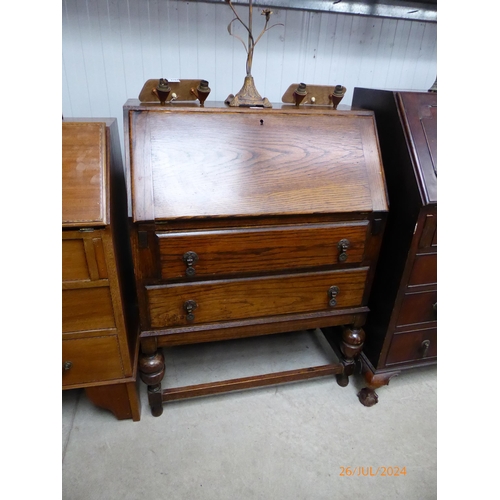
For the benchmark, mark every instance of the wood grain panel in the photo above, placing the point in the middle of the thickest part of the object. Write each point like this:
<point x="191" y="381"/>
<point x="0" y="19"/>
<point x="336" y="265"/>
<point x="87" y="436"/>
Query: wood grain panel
<point x="140" y="160"/>
<point x="251" y="250"/>
<point x="83" y="181"/>
<point x="121" y="399"/>
<point x="424" y="271"/>
<point x="225" y="300"/>
<point x="92" y="360"/>
<point x="87" y="309"/>
<point x="408" y="346"/>
<point x="420" y="116"/>
<point x="417" y="308"/>
<point x="74" y="263"/>
<point x="216" y="163"/>
<point x="98" y="247"/>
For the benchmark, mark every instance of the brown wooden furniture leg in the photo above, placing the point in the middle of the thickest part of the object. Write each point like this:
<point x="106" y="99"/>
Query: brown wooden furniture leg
<point x="351" y="346"/>
<point x="121" y="399"/>
<point x="347" y="345"/>
<point x="367" y="396"/>
<point x="152" y="369"/>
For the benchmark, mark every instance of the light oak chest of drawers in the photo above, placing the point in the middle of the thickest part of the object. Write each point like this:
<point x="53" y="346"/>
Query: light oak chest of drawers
<point x="251" y="222"/>
<point x="99" y="308"/>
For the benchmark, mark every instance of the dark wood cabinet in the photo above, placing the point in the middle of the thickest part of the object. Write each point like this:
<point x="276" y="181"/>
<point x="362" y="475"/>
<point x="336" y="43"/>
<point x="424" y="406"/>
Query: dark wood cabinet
<point x="99" y="305"/>
<point x="401" y="328"/>
<point x="251" y="222"/>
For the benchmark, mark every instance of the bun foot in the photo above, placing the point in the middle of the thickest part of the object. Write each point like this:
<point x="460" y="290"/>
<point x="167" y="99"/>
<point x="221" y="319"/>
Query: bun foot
<point x="156" y="411"/>
<point x="342" y="379"/>
<point x="367" y="397"/>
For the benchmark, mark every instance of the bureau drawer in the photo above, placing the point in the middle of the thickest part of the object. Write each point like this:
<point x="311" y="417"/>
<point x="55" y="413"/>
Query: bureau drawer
<point x="224" y="300"/>
<point x="248" y="250"/>
<point x="419" y="307"/>
<point x="424" y="270"/>
<point x="74" y="261"/>
<point x="87" y="309"/>
<point x="90" y="360"/>
<point x="83" y="256"/>
<point x="413" y="346"/>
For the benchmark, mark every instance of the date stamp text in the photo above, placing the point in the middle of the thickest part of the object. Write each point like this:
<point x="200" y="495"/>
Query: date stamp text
<point x="372" y="471"/>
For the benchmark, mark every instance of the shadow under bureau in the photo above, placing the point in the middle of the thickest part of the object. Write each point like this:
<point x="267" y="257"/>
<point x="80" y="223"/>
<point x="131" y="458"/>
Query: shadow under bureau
<point x="99" y="307"/>
<point x="250" y="222"/>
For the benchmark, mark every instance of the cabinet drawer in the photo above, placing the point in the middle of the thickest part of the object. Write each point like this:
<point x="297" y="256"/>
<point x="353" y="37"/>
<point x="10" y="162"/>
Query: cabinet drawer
<point x="87" y="309"/>
<point x="277" y="248"/>
<point x="225" y="300"/>
<point x="418" y="307"/>
<point x="91" y="360"/>
<point x="413" y="346"/>
<point x="424" y="271"/>
<point x="74" y="261"/>
<point x="83" y="257"/>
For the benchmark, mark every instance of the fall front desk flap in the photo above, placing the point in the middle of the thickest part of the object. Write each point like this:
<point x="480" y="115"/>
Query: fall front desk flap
<point x="202" y="162"/>
<point x="84" y="174"/>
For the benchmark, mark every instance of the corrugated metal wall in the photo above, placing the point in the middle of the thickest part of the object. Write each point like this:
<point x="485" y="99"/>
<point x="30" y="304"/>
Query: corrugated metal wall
<point x="112" y="47"/>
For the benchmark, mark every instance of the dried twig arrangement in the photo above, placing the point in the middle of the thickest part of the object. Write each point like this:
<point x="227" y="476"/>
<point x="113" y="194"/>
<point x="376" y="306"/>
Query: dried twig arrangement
<point x="249" y="47"/>
<point x="248" y="95"/>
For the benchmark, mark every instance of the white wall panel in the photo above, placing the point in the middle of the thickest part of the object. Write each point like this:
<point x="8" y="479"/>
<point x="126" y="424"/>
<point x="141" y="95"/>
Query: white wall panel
<point x="384" y="51"/>
<point x="112" y="47"/>
<point x="427" y="50"/>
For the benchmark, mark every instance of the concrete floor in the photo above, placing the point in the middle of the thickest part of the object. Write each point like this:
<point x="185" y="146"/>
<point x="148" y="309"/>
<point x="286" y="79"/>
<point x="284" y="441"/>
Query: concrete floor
<point x="288" y="442"/>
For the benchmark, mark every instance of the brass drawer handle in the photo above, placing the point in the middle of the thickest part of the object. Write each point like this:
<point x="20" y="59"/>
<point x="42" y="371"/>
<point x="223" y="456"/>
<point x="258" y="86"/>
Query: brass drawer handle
<point x="190" y="259"/>
<point x="424" y="347"/>
<point x="332" y="294"/>
<point x="343" y="245"/>
<point x="67" y="365"/>
<point x="189" y="307"/>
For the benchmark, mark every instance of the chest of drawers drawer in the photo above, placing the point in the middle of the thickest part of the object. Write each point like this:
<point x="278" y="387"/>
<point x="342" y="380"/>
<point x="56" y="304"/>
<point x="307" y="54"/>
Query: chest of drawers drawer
<point x="260" y="250"/>
<point x="424" y="270"/>
<point x="224" y="300"/>
<point x="83" y="256"/>
<point x="418" y="307"/>
<point x="419" y="345"/>
<point x="87" y="309"/>
<point x="74" y="260"/>
<point x="89" y="360"/>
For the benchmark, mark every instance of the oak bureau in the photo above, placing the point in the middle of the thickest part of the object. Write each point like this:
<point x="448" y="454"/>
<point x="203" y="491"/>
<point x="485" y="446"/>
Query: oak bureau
<point x="99" y="305"/>
<point x="250" y="222"/>
<point x="402" y="326"/>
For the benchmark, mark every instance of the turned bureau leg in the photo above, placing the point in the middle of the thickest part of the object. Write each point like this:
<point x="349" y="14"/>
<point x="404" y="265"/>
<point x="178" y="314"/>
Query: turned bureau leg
<point x="351" y="345"/>
<point x="152" y="369"/>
